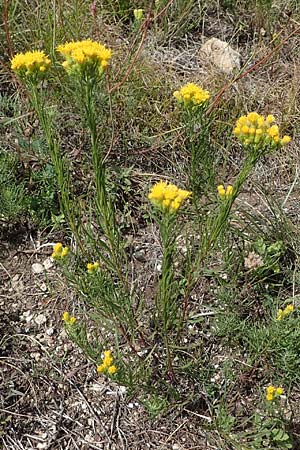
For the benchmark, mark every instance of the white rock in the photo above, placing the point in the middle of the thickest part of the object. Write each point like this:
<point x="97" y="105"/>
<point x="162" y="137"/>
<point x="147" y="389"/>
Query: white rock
<point x="122" y="389"/>
<point x="42" y="445"/>
<point x="26" y="316"/>
<point x="50" y="331"/>
<point x="37" y="268"/>
<point x="40" y="319"/>
<point x="35" y="355"/>
<point x="48" y="263"/>
<point x="17" y="284"/>
<point x="43" y="287"/>
<point x="221" y="54"/>
<point x="158" y="267"/>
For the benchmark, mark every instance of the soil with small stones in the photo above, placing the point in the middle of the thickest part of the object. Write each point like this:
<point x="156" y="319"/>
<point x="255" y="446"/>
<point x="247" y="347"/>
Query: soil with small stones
<point x="51" y="397"/>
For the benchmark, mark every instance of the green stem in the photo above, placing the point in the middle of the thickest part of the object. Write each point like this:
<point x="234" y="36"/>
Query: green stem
<point x="61" y="168"/>
<point x="104" y="206"/>
<point x="215" y="227"/>
<point x="165" y="298"/>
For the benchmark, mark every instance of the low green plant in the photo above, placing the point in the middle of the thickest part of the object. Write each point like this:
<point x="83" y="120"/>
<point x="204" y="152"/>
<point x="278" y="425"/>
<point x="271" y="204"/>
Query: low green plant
<point x="12" y="189"/>
<point x="269" y="424"/>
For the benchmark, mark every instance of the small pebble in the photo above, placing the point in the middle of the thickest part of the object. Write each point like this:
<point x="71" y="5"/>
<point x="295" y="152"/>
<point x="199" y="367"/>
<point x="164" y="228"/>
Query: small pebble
<point x="37" y="268"/>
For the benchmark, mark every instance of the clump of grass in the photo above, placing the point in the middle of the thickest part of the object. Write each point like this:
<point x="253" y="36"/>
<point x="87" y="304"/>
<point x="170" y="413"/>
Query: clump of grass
<point x="11" y="190"/>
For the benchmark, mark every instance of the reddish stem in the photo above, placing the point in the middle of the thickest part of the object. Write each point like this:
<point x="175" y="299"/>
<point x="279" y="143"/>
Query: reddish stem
<point x="6" y="27"/>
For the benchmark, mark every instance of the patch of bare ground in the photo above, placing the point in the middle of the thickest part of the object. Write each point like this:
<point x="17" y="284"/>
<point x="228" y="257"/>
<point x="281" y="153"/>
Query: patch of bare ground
<point x="51" y="397"/>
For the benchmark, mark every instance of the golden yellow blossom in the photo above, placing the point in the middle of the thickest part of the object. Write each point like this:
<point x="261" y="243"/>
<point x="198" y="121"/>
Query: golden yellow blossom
<point x="112" y="370"/>
<point x="167" y="196"/>
<point x="59" y="251"/>
<point x="225" y="193"/>
<point x="107" y="364"/>
<point x="138" y="14"/>
<point x="85" y="55"/>
<point x="92" y="267"/>
<point x="191" y="95"/>
<point x="259" y="131"/>
<point x="68" y="319"/>
<point x="273" y="392"/>
<point x="281" y="313"/>
<point x="30" y="63"/>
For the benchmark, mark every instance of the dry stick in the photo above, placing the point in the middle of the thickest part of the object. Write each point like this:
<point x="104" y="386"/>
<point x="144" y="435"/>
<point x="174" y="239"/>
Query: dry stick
<point x="164" y="9"/>
<point x="251" y="69"/>
<point x="6" y="26"/>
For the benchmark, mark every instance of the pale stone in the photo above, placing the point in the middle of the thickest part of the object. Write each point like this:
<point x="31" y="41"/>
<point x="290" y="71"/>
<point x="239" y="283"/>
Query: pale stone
<point x="37" y="268"/>
<point x="40" y="319"/>
<point x="221" y="54"/>
<point x="48" y="263"/>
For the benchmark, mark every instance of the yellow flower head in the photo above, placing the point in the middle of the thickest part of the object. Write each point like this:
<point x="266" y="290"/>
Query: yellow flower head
<point x="285" y="140"/>
<point x="101" y="368"/>
<point x="285" y="312"/>
<point x="192" y="95"/>
<point x="57" y="248"/>
<point x="279" y="391"/>
<point x="289" y="308"/>
<point x="30" y="64"/>
<point x="271" y="389"/>
<point x="225" y="193"/>
<point x="259" y="131"/>
<point x="273" y="392"/>
<point x="65" y="252"/>
<point x="167" y="196"/>
<point x="107" y="364"/>
<point x="59" y="251"/>
<point x="68" y="319"/>
<point x="112" y="370"/>
<point x="92" y="267"/>
<point x="85" y="56"/>
<point x="138" y="14"/>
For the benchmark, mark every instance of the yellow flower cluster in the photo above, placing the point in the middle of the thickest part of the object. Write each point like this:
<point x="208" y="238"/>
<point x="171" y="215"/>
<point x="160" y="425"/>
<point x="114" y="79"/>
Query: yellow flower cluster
<point x="167" y="196"/>
<point x="225" y="193"/>
<point x="35" y="62"/>
<point x="68" y="319"/>
<point x="84" y="54"/>
<point x="138" y="14"/>
<point x="59" y="251"/>
<point x="258" y="130"/>
<point x="92" y="267"/>
<point x="107" y="364"/>
<point x="191" y="95"/>
<point x="285" y="312"/>
<point x="272" y="392"/>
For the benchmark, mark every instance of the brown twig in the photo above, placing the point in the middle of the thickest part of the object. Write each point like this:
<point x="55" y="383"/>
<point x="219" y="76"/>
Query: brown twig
<point x="6" y="27"/>
<point x="161" y="12"/>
